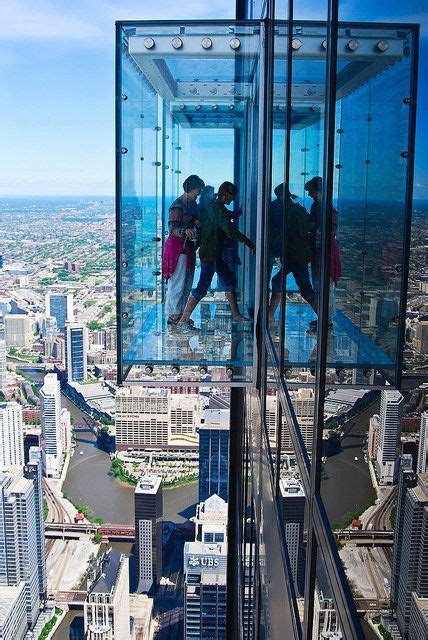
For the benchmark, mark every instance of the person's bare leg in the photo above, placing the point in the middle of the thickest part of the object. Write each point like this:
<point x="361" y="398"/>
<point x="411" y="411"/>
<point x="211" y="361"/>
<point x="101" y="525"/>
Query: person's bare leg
<point x="231" y="296"/>
<point x="190" y="306"/>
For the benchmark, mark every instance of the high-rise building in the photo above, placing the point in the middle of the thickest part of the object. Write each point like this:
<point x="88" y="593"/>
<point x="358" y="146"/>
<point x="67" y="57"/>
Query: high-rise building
<point x="422" y="466"/>
<point x="142" y="417"/>
<point x="418" y="624"/>
<point x="205" y="572"/>
<point x="3" y="368"/>
<point x="293" y="515"/>
<point x="60" y="307"/>
<point x="19" y="538"/>
<point x="111" y="338"/>
<point x="13" y="613"/>
<point x="106" y="608"/>
<point x="373" y="436"/>
<point x="76" y="352"/>
<point x="410" y="563"/>
<point x="49" y="327"/>
<point x="406" y="479"/>
<point x="148" y="532"/>
<point x="18" y="330"/>
<point x="59" y="349"/>
<point x="184" y="414"/>
<point x="33" y="472"/>
<point x="65" y="429"/>
<point x="11" y="435"/>
<point x="214" y="453"/>
<point x="387" y="461"/>
<point x="420" y="339"/>
<point x="51" y="425"/>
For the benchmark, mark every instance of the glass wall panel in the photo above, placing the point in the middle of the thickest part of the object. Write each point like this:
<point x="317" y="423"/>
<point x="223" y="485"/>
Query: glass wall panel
<point x="371" y="189"/>
<point x="188" y="106"/>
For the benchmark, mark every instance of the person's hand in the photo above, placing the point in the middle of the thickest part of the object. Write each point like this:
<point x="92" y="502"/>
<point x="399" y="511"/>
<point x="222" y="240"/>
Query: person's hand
<point x="190" y="233"/>
<point x="253" y="251"/>
<point x="198" y="224"/>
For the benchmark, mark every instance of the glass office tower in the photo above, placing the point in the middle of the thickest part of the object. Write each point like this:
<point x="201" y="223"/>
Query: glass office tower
<point x="302" y="115"/>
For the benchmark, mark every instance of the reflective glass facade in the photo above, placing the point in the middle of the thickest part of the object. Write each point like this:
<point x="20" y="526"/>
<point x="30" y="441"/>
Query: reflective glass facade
<point x="314" y="122"/>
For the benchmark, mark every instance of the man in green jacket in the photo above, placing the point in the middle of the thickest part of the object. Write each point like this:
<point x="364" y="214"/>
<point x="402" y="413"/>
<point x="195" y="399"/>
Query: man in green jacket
<point x="215" y="227"/>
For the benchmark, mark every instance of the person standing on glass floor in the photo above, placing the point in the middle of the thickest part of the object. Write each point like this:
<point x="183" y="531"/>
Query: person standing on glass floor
<point x="178" y="262"/>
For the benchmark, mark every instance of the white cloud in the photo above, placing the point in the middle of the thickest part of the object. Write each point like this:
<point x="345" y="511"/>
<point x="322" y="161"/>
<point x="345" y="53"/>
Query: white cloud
<point x="91" y="22"/>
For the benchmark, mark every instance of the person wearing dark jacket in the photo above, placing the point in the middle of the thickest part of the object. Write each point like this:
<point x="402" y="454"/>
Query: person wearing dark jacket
<point x="297" y="246"/>
<point x="314" y="187"/>
<point x="216" y="226"/>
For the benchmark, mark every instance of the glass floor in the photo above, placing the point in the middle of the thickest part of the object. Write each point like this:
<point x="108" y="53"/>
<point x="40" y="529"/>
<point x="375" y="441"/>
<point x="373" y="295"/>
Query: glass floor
<point x="221" y="342"/>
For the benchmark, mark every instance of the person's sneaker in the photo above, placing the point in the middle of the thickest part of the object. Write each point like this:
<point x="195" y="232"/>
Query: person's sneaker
<point x="188" y="327"/>
<point x="173" y="319"/>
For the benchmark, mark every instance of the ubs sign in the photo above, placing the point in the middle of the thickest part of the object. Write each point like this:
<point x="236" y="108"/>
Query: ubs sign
<point x="202" y="561"/>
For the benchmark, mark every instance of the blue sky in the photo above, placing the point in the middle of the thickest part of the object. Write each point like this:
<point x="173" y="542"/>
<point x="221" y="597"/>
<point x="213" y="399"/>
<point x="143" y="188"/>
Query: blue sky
<point x="57" y="79"/>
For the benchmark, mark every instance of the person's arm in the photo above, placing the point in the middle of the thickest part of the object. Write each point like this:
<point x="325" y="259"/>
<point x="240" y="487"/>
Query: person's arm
<point x="175" y="223"/>
<point x="231" y="230"/>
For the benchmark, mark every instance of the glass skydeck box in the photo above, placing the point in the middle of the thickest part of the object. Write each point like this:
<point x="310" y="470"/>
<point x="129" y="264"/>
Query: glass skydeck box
<point x="216" y="99"/>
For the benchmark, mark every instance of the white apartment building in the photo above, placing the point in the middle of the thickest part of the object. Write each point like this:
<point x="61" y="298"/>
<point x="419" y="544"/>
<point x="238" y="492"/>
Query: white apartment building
<point x="18" y="330"/>
<point x="51" y="425"/>
<point x="3" y="368"/>
<point x="184" y="416"/>
<point x="423" y="445"/>
<point x="387" y="461"/>
<point x="65" y="429"/>
<point x="18" y="538"/>
<point x="106" y="609"/>
<point x="373" y="436"/>
<point x="13" y="614"/>
<point x="11" y="435"/>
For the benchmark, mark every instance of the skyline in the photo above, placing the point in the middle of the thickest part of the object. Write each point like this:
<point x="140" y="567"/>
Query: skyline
<point x="57" y="104"/>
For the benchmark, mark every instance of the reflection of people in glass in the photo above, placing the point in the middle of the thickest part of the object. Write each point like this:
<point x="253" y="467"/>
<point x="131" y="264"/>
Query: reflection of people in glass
<point x="215" y="227"/>
<point x="314" y="187"/>
<point x="297" y="246"/>
<point x="178" y="262"/>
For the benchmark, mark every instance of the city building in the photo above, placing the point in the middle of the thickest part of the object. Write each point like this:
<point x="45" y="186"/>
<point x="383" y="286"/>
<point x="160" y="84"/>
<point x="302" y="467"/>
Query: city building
<point x="420" y="339"/>
<point x="303" y="401"/>
<point x="111" y="338"/>
<point x="214" y="453"/>
<point x="59" y="351"/>
<point x="60" y="307"/>
<point x="18" y="330"/>
<point x="323" y="127"/>
<point x="373" y="436"/>
<point x="65" y="420"/>
<point x="142" y="417"/>
<point x="391" y="412"/>
<point x="148" y="532"/>
<point x="76" y="352"/>
<point x="106" y="608"/>
<point x="205" y="572"/>
<point x="326" y="622"/>
<point x="50" y="394"/>
<point x="418" y="624"/>
<point x="19" y="538"/>
<point x="410" y="562"/>
<point x="13" y="613"/>
<point x="293" y="516"/>
<point x="33" y="472"/>
<point x="184" y="414"/>
<point x="422" y="465"/>
<point x="11" y="435"/>
<point x="3" y="367"/>
<point x="49" y="327"/>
